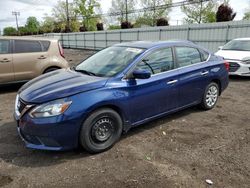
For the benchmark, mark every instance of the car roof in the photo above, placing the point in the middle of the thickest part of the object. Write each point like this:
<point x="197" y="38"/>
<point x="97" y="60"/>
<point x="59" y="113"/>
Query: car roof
<point x="27" y="38"/>
<point x="151" y="44"/>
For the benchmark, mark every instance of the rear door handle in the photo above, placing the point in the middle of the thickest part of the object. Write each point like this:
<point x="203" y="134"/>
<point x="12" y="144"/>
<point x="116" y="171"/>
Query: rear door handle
<point x="5" y="60"/>
<point x="42" y="57"/>
<point x="204" y="73"/>
<point x="172" y="81"/>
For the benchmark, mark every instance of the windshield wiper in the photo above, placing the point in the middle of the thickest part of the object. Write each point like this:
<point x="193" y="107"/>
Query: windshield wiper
<point x="85" y="72"/>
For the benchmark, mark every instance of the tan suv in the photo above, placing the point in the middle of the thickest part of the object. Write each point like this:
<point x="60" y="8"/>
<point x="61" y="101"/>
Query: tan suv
<point x="23" y="58"/>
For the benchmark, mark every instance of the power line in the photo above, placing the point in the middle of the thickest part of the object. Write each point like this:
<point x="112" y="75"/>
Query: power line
<point x="15" y="13"/>
<point x="153" y="8"/>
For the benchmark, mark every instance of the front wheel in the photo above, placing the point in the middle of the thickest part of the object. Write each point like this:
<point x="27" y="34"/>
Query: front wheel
<point x="101" y="130"/>
<point x="210" y="96"/>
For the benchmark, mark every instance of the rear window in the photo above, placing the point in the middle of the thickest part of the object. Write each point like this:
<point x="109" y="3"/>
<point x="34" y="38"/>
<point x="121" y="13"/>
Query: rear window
<point x="27" y="46"/>
<point x="45" y="45"/>
<point x="4" y="46"/>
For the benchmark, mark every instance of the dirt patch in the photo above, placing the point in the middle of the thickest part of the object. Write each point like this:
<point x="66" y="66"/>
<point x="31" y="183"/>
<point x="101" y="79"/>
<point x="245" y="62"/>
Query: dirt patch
<point x="179" y="150"/>
<point x="5" y="180"/>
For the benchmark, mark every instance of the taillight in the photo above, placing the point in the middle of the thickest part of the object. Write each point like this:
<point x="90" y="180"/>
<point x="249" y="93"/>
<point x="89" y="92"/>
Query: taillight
<point x="226" y="65"/>
<point x="60" y="49"/>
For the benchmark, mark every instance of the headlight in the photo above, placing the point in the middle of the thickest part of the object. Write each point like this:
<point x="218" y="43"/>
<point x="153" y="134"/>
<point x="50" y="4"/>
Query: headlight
<point x="53" y="108"/>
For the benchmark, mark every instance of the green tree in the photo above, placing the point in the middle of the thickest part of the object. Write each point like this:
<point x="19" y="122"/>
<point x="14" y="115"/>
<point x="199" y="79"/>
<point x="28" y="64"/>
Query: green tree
<point x="86" y="9"/>
<point x="48" y="24"/>
<point x="23" y="31"/>
<point x="118" y="9"/>
<point x="59" y="13"/>
<point x="150" y="17"/>
<point x="200" y="12"/>
<point x="247" y="15"/>
<point x="32" y="25"/>
<point x="9" y="31"/>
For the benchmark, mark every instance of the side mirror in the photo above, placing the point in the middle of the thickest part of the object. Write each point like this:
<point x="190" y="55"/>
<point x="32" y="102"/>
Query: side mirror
<point x="220" y="47"/>
<point x="141" y="74"/>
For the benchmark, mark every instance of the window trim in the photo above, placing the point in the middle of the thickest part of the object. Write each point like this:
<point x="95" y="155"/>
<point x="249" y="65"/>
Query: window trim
<point x="124" y="78"/>
<point x="14" y="46"/>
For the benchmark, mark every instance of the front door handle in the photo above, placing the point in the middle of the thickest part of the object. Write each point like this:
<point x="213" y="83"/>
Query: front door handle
<point x="204" y="73"/>
<point x="42" y="57"/>
<point x="172" y="81"/>
<point x="5" y="60"/>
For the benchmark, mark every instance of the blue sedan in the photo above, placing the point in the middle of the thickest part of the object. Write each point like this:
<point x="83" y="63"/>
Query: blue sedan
<point x="117" y="88"/>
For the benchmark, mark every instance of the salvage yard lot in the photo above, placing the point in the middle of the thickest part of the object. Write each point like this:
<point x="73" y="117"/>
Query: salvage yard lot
<point x="180" y="150"/>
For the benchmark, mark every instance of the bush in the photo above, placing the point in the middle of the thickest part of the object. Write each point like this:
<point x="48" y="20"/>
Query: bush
<point x="162" y="22"/>
<point x="225" y="13"/>
<point x="83" y="28"/>
<point x="126" y="25"/>
<point x="99" y="26"/>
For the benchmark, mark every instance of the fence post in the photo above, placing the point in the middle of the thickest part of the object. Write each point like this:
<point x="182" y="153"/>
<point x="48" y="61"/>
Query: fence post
<point x="94" y="41"/>
<point x="188" y="33"/>
<point x="138" y="34"/>
<point x="227" y="33"/>
<point x="76" y="40"/>
<point x="84" y="40"/>
<point x="160" y="34"/>
<point x="120" y="36"/>
<point x="106" y="38"/>
<point x="68" y="40"/>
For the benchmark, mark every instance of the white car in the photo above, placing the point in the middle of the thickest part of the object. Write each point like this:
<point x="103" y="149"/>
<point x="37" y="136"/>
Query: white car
<point x="237" y="54"/>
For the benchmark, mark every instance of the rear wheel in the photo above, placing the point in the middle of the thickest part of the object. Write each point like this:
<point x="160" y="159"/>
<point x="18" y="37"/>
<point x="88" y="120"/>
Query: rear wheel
<point x="101" y="130"/>
<point x="210" y="96"/>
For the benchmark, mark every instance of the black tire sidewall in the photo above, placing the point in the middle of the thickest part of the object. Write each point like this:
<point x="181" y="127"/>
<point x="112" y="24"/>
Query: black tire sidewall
<point x="85" y="135"/>
<point x="204" y="103"/>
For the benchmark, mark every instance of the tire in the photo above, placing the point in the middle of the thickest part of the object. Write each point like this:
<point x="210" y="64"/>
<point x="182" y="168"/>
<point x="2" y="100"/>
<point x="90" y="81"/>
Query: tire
<point x="50" y="69"/>
<point x="101" y="130"/>
<point x="210" y="96"/>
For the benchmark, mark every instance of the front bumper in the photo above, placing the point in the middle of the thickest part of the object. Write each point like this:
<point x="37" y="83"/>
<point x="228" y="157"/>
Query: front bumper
<point x="53" y="133"/>
<point x="239" y="68"/>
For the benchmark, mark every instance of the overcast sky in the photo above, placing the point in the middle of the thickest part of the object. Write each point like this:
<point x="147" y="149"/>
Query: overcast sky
<point x="38" y="8"/>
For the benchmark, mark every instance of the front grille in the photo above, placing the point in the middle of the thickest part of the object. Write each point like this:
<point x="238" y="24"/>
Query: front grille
<point x="21" y="106"/>
<point x="233" y="67"/>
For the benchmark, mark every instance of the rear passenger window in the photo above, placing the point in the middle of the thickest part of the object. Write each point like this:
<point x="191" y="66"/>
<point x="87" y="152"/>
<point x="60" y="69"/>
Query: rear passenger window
<point x="187" y="56"/>
<point x="158" y="61"/>
<point x="46" y="45"/>
<point x="4" y="46"/>
<point x="27" y="46"/>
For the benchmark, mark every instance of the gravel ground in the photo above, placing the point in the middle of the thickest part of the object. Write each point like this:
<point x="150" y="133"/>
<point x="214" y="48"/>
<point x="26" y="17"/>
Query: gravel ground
<point x="181" y="150"/>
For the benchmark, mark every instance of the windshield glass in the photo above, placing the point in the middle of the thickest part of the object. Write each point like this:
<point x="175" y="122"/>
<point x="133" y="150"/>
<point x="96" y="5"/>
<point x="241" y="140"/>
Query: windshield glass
<point x="109" y="61"/>
<point x="239" y="45"/>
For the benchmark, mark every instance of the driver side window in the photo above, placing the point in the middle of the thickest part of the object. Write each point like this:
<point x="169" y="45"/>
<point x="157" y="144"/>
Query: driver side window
<point x="158" y="61"/>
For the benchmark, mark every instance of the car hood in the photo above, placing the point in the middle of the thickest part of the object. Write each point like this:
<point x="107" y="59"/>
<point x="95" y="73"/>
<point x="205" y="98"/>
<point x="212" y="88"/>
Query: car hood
<point x="58" y="84"/>
<point x="233" y="55"/>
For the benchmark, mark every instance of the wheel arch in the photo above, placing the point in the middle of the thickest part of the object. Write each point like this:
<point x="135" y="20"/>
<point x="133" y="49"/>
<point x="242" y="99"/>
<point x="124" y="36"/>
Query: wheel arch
<point x="116" y="108"/>
<point x="217" y="81"/>
<point x="50" y="67"/>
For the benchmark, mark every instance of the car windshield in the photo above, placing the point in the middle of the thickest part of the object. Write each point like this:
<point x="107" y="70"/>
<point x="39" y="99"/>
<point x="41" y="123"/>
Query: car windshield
<point x="109" y="61"/>
<point x="238" y="45"/>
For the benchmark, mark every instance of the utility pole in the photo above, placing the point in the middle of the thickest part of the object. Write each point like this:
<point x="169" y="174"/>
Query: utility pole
<point x="15" y="13"/>
<point x="126" y="10"/>
<point x="67" y="14"/>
